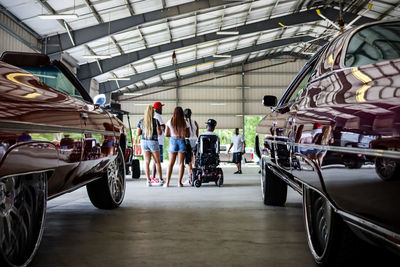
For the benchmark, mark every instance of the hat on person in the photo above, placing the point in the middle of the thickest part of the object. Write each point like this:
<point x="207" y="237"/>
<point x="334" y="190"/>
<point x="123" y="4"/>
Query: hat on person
<point x="158" y="105"/>
<point x="211" y="122"/>
<point x="317" y="125"/>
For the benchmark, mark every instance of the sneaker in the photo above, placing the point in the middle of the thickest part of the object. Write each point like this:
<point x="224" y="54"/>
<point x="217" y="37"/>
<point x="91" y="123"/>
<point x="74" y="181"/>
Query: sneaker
<point x="237" y="172"/>
<point x="154" y="181"/>
<point x="161" y="182"/>
<point x="148" y="183"/>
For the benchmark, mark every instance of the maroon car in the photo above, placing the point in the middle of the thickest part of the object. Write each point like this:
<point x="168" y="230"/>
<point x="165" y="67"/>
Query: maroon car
<point x="53" y="139"/>
<point x="335" y="139"/>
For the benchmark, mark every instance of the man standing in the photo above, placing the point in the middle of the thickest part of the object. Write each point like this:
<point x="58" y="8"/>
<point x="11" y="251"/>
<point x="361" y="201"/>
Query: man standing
<point x="238" y="148"/>
<point x="157" y="115"/>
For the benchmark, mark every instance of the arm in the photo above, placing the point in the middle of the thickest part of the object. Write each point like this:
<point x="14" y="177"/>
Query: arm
<point x="230" y="147"/>
<point x="187" y="132"/>
<point x="167" y="132"/>
<point x="197" y="128"/>
<point x="138" y="132"/>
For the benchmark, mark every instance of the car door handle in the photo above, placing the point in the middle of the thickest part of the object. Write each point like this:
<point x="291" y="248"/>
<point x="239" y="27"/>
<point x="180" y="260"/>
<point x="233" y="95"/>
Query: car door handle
<point x="84" y="115"/>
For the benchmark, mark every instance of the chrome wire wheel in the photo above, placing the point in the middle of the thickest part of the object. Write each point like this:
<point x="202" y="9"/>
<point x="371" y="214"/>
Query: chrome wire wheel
<point x="108" y="191"/>
<point x="386" y="168"/>
<point x="22" y="214"/>
<point x="116" y="179"/>
<point x="318" y="216"/>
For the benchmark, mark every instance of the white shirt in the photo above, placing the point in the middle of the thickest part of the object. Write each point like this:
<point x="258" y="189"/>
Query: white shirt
<point x="193" y="129"/>
<point x="172" y="130"/>
<point x="237" y="141"/>
<point x="160" y="120"/>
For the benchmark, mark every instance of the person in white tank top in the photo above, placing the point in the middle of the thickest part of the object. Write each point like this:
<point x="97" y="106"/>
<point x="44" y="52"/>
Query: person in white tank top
<point x="194" y="133"/>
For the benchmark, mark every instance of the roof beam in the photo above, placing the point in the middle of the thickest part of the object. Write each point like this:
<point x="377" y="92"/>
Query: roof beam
<point x="59" y="43"/>
<point x="93" y="10"/>
<point x="107" y="87"/>
<point x="90" y="70"/>
<point x="271" y="56"/>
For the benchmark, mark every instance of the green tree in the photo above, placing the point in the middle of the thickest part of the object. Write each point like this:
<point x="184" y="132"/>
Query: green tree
<point x="250" y="126"/>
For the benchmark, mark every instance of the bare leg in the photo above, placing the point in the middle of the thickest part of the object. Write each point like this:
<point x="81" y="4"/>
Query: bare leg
<point x="147" y="158"/>
<point x="172" y="158"/>
<point x="153" y="168"/>
<point x="156" y="156"/>
<point x="189" y="167"/>
<point x="181" y="161"/>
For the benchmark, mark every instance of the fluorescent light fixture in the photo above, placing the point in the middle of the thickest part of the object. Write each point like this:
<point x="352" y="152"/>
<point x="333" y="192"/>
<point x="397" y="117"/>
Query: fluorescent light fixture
<point x="227" y="33"/>
<point x="240" y="87"/>
<point x="218" y="104"/>
<point x="119" y="79"/>
<point x="59" y="16"/>
<point x="46" y="76"/>
<point x="226" y="55"/>
<point x="132" y="94"/>
<point x="239" y="115"/>
<point x="97" y="56"/>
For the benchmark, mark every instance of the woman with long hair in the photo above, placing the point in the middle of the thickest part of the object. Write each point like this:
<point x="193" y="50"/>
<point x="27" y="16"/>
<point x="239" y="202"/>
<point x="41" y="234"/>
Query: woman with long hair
<point x="149" y="128"/>
<point x="192" y="139"/>
<point x="177" y="129"/>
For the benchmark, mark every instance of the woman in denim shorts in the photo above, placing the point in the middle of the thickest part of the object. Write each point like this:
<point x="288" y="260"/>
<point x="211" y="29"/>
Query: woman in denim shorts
<point x="177" y="129"/>
<point x="149" y="128"/>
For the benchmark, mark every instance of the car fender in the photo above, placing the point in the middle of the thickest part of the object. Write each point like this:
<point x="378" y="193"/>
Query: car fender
<point x="29" y="157"/>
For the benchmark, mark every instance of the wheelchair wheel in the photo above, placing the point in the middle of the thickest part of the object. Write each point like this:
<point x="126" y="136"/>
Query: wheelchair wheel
<point x="220" y="180"/>
<point x="194" y="176"/>
<point x="197" y="183"/>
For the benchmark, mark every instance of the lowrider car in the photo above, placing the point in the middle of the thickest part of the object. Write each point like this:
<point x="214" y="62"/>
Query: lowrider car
<point x="345" y="103"/>
<point x="53" y="139"/>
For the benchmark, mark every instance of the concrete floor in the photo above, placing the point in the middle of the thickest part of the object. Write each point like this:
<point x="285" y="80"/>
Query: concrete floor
<point x="155" y="226"/>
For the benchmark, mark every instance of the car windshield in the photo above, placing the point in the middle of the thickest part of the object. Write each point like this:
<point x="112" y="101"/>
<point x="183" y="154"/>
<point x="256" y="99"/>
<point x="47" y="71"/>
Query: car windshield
<point x="55" y="79"/>
<point x="374" y="44"/>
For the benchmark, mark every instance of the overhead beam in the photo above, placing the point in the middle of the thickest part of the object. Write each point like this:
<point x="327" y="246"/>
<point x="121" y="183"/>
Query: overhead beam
<point x="60" y="42"/>
<point x="90" y="70"/>
<point x="107" y="87"/>
<point x="168" y="82"/>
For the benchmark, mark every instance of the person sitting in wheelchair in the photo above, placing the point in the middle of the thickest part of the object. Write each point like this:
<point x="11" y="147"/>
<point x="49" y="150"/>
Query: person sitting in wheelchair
<point x="207" y="157"/>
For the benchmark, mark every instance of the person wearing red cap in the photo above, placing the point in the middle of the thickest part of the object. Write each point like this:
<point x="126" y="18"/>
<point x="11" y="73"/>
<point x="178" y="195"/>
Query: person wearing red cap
<point x="157" y="115"/>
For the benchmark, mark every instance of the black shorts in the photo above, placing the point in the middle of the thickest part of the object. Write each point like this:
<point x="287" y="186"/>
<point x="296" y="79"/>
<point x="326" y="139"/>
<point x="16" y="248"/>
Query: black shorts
<point x="237" y="157"/>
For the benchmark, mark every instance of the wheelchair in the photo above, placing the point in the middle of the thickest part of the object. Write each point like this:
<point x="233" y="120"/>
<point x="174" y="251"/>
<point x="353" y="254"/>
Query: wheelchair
<point x="207" y="160"/>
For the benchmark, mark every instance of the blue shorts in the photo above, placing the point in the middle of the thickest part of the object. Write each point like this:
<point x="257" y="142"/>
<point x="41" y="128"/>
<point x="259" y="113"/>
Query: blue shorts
<point x="150" y="145"/>
<point x="176" y="145"/>
<point x="161" y="153"/>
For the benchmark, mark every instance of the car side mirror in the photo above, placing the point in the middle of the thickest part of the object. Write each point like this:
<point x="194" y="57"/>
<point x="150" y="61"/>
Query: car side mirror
<point x="269" y="101"/>
<point x="99" y="100"/>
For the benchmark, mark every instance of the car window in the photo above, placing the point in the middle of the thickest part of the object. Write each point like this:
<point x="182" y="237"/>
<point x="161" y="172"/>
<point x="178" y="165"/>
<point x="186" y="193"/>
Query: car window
<point x="374" y="44"/>
<point x="55" y="79"/>
<point x="298" y="89"/>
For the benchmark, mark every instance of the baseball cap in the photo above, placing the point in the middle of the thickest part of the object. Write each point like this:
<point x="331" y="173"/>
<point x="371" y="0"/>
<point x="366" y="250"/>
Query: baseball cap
<point x="157" y="105"/>
<point x="318" y="125"/>
<point x="211" y="122"/>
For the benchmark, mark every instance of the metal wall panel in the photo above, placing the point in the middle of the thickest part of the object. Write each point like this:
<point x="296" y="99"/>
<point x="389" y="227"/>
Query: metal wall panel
<point x="221" y="98"/>
<point x="9" y="42"/>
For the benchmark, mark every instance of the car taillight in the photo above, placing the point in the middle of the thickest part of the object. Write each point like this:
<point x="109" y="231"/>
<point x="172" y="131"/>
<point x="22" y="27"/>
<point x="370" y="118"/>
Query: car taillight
<point x="252" y="155"/>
